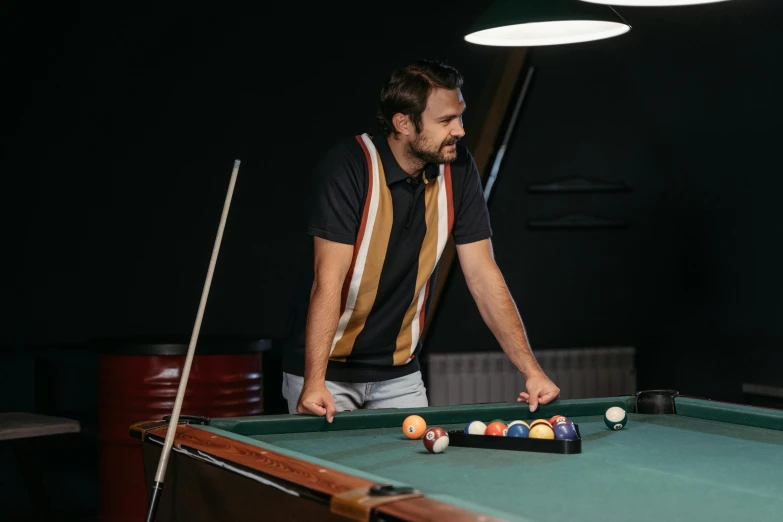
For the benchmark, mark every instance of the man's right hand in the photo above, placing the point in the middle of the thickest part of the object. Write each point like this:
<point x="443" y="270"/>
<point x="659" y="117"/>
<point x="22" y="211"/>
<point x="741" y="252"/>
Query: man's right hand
<point x="317" y="400"/>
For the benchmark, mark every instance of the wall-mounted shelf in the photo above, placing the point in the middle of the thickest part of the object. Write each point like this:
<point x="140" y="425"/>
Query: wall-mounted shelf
<point x="578" y="184"/>
<point x="575" y="220"/>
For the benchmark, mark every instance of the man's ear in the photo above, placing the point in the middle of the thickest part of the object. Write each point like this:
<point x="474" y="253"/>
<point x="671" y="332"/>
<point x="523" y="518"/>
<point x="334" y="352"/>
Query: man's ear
<point x="402" y="124"/>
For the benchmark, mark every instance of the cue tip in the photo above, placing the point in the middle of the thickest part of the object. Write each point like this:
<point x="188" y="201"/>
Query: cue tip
<point x="236" y="163"/>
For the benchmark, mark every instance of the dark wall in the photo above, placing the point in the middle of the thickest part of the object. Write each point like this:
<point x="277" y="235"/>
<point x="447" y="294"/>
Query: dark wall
<point x="120" y="140"/>
<point x="119" y="133"/>
<point x="684" y="112"/>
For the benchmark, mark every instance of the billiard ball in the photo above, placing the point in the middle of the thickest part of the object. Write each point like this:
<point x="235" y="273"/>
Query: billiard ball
<point x="475" y="428"/>
<point x="414" y="427"/>
<point x="436" y="440"/>
<point x="564" y="431"/>
<point x="541" y="431"/>
<point x="615" y="418"/>
<point x="520" y="430"/>
<point x="497" y="429"/>
<point x="517" y="422"/>
<point x="557" y="418"/>
<point x="539" y="421"/>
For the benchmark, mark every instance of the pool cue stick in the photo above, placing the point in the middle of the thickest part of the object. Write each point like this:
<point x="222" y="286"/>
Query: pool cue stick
<point x="507" y="137"/>
<point x="157" y="487"/>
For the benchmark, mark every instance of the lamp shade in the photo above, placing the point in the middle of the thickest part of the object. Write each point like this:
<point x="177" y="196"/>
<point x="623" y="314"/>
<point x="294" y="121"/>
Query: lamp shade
<point x="545" y="22"/>
<point x="651" y="3"/>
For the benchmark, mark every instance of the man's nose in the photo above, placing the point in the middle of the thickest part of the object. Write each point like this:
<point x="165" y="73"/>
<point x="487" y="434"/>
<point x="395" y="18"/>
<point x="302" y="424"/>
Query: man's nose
<point x="458" y="131"/>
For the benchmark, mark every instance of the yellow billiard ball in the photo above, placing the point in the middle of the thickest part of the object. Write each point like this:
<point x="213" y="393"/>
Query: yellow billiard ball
<point x="540" y="421"/>
<point x="542" y="430"/>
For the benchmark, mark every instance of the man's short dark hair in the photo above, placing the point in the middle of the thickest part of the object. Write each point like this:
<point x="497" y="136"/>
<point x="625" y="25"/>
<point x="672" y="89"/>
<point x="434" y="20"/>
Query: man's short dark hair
<point x="408" y="88"/>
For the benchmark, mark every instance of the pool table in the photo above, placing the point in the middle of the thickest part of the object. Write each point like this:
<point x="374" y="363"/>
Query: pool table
<point x="678" y="458"/>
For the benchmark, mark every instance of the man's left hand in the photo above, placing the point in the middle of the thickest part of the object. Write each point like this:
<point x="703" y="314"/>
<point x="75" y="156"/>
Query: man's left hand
<point x="540" y="390"/>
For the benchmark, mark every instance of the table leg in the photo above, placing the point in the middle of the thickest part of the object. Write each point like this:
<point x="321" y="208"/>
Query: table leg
<point x="29" y="468"/>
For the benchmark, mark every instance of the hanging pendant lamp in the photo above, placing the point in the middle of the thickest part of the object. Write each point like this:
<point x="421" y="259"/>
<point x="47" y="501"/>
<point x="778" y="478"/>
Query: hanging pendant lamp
<point x="528" y="23"/>
<point x="651" y="3"/>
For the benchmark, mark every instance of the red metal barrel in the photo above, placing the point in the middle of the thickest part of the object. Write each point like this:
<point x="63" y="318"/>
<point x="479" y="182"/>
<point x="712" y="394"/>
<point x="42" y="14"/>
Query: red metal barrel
<point x="138" y="380"/>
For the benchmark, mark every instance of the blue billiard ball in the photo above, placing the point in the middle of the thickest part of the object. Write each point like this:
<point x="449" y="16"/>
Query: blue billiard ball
<point x="565" y="431"/>
<point x="518" y="430"/>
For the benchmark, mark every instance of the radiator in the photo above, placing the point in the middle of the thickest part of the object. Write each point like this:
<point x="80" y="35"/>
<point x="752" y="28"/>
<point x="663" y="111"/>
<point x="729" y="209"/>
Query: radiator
<point x="480" y="377"/>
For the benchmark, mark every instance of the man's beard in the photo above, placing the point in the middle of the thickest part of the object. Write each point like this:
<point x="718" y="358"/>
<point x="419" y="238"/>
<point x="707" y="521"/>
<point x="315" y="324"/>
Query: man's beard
<point x="419" y="150"/>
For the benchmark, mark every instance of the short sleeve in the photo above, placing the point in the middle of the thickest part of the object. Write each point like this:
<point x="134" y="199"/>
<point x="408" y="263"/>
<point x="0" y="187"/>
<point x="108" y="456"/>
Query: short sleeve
<point x="471" y="221"/>
<point x="338" y="197"/>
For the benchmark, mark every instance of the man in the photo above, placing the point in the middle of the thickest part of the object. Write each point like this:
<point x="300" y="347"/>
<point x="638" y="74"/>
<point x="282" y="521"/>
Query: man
<point x="383" y="210"/>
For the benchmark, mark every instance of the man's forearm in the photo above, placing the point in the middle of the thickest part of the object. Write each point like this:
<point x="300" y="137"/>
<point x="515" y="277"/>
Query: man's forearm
<point x="499" y="312"/>
<point x="322" y="318"/>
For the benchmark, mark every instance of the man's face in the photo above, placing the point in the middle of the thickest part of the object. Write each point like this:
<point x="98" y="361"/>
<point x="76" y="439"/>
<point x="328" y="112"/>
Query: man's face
<point x="441" y="127"/>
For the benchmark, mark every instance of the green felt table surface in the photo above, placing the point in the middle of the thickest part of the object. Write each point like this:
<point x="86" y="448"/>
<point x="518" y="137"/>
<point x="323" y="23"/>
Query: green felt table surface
<point x="659" y="467"/>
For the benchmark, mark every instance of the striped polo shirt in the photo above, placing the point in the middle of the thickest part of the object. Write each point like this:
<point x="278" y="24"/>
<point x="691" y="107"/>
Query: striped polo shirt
<point x="398" y="226"/>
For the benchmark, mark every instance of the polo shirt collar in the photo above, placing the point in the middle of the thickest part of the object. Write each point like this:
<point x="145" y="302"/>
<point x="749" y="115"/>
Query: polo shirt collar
<point x="392" y="169"/>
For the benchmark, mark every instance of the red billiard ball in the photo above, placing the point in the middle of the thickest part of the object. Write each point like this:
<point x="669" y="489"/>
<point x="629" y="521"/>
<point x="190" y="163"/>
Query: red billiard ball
<point x="436" y="440"/>
<point x="557" y="419"/>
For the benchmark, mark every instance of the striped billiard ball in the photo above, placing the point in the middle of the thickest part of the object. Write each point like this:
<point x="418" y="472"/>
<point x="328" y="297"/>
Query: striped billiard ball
<point x="520" y="430"/>
<point x="564" y="431"/>
<point x="615" y="418"/>
<point x="436" y="440"/>
<point x="475" y="428"/>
